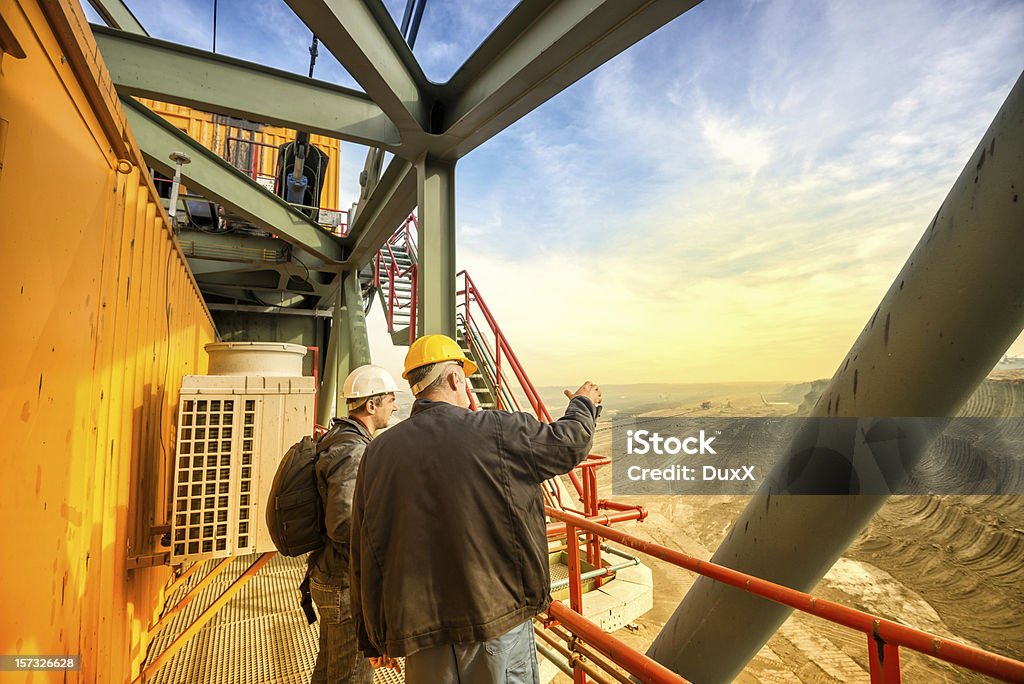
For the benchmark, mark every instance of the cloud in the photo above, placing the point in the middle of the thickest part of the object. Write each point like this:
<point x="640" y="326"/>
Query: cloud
<point x="748" y="148"/>
<point x="736" y="189"/>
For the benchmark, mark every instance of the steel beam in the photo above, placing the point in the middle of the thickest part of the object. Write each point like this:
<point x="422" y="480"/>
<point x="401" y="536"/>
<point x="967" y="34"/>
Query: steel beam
<point x="362" y="36"/>
<point x="157" y="69"/>
<point x="343" y="360"/>
<point x="538" y="51"/>
<point x="392" y="200"/>
<point x="326" y="395"/>
<point x="265" y="281"/>
<point x="218" y="181"/>
<point x="275" y="310"/>
<point x="358" y="340"/>
<point x="368" y="179"/>
<point x="436" y="280"/>
<point x="117" y="15"/>
<point x="949" y="315"/>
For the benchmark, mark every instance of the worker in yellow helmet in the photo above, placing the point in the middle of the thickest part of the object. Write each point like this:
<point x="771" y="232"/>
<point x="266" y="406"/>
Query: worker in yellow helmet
<point x="449" y="556"/>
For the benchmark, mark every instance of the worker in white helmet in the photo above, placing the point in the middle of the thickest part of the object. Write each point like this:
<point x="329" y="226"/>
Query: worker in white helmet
<point x="370" y="395"/>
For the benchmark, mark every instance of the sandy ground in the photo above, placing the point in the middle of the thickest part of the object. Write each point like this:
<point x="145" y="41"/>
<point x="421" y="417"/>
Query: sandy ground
<point x="953" y="566"/>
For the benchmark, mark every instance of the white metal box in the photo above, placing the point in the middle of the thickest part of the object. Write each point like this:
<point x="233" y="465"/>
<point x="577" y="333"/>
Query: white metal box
<point x="232" y="433"/>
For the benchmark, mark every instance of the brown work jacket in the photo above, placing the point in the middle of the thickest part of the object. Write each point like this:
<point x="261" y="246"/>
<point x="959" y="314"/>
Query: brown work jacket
<point x="336" y="470"/>
<point x="449" y="541"/>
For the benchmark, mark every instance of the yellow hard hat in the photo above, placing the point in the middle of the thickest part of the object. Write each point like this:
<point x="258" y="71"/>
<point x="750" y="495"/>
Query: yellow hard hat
<point x="435" y="349"/>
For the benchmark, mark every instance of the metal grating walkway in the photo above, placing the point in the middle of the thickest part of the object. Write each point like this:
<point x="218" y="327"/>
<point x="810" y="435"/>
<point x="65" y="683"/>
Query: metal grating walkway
<point x="259" y="637"/>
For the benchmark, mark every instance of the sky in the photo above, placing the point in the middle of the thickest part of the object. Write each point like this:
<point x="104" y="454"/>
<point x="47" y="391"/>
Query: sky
<point x="727" y="200"/>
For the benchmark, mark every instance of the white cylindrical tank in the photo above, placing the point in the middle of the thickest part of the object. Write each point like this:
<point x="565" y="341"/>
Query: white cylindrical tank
<point x="266" y="359"/>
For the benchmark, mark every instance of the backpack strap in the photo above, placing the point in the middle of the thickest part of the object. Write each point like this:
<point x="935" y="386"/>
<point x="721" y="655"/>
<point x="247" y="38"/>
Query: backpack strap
<point x="307" y="598"/>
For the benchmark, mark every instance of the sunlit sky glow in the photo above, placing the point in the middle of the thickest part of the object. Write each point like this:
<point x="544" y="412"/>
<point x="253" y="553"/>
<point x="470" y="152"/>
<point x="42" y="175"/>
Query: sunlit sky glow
<point x="727" y="200"/>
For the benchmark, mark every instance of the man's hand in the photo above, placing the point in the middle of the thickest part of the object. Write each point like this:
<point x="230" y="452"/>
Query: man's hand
<point x="588" y="390"/>
<point x="386" y="661"/>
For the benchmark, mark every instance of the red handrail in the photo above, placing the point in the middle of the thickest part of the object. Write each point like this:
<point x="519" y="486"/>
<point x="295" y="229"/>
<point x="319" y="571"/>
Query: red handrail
<point x="472" y="294"/>
<point x="631" y="660"/>
<point x="501" y="346"/>
<point x="393" y="274"/>
<point x="884" y="636"/>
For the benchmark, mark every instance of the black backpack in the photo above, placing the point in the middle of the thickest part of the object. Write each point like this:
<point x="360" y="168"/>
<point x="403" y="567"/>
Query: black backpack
<point x="295" y="513"/>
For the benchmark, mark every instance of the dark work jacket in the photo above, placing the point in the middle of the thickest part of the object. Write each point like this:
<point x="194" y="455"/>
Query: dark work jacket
<point x="336" y="479"/>
<point x="449" y="540"/>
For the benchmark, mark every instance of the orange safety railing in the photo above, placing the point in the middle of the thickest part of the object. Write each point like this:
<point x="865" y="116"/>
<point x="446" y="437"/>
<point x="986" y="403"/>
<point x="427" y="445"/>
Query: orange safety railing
<point x="884" y="637"/>
<point x="402" y="241"/>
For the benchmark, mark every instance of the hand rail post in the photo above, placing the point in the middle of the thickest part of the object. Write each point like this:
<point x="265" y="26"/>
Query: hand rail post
<point x="575" y="588"/>
<point x="415" y="303"/>
<point x="883" y="661"/>
<point x="497" y="373"/>
<point x="391" y="294"/>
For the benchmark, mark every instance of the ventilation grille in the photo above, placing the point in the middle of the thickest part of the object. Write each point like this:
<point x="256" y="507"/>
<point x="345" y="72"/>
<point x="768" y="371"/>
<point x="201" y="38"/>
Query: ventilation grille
<point x="202" y="502"/>
<point x="232" y="433"/>
<point x="214" y="484"/>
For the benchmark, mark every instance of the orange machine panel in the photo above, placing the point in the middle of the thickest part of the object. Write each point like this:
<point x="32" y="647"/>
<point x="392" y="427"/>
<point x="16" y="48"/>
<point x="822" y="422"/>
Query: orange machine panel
<point x="104" y="319"/>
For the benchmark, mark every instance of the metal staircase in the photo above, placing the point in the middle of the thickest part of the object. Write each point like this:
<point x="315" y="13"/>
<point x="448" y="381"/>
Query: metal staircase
<point x="394" y="280"/>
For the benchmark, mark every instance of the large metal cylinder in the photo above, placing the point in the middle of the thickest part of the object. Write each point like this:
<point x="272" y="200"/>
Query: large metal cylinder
<point x="950" y="314"/>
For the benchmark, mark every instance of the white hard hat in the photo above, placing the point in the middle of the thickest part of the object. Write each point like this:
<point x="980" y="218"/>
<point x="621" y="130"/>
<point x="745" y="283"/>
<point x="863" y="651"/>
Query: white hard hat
<point x="367" y="381"/>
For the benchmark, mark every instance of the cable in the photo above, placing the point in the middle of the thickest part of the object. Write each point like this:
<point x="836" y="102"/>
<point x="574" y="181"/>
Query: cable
<point x="308" y="279"/>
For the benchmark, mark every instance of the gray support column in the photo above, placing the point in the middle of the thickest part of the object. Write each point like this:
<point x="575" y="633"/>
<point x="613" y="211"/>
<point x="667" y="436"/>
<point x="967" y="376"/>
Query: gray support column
<point x="358" y="340"/>
<point x="952" y="311"/>
<point x="329" y="382"/>
<point x="436" y="198"/>
<point x="344" y="359"/>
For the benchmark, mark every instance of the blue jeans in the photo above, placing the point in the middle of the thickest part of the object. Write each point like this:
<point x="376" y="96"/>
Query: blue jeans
<point x="508" y="659"/>
<point x="339" y="660"/>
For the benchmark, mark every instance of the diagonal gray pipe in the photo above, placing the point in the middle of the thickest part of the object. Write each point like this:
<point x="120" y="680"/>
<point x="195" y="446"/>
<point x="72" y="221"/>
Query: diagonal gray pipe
<point x="949" y="315"/>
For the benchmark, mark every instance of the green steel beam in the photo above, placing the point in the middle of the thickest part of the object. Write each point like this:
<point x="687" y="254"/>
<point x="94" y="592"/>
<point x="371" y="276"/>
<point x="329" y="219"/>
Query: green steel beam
<point x="539" y="50"/>
<point x="358" y="340"/>
<point x="263" y="280"/>
<point x="146" y="67"/>
<point x="393" y="198"/>
<point x="276" y="310"/>
<point x="343" y="360"/>
<point x="212" y="275"/>
<point x="361" y="34"/>
<point x="218" y="181"/>
<point x="368" y="180"/>
<point x="327" y="392"/>
<point x="117" y="15"/>
<point x="436" y="195"/>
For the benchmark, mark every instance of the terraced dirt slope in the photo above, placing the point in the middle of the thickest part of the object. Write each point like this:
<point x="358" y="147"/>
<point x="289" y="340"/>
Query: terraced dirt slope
<point x="951" y="565"/>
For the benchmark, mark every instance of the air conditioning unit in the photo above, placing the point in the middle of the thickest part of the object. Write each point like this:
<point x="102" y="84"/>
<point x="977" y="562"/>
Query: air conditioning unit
<point x="234" y="426"/>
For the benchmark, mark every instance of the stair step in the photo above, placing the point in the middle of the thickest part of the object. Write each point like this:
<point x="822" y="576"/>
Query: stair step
<point x="485" y="405"/>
